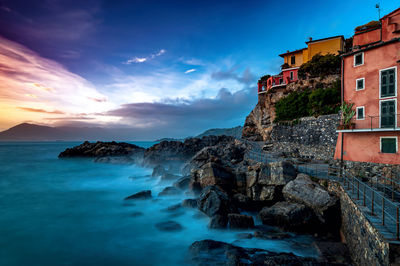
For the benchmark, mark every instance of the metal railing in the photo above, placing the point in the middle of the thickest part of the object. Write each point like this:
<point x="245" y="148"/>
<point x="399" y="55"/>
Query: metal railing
<point x="379" y="197"/>
<point x="391" y="121"/>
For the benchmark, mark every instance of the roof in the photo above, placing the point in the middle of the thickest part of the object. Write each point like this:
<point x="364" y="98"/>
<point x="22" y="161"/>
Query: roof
<point x="325" y="39"/>
<point x="394" y="11"/>
<point x="371" y="47"/>
<point x="292" y="52"/>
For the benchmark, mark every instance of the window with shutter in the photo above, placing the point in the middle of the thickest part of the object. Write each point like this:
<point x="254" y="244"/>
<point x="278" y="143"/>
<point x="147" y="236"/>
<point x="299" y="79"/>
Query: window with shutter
<point x="388" y="145"/>
<point x="388" y="83"/>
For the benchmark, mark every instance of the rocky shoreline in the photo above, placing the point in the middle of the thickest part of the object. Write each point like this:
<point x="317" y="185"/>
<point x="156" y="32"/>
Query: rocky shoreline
<point x="225" y="185"/>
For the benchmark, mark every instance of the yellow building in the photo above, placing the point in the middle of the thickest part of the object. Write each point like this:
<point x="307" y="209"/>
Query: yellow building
<point x="332" y="45"/>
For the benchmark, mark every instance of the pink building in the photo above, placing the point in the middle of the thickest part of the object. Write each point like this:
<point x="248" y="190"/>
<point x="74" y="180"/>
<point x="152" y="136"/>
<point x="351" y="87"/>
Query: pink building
<point x="370" y="80"/>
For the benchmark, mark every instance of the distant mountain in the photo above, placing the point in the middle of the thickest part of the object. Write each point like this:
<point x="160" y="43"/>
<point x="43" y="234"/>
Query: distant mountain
<point x="234" y="132"/>
<point x="32" y="132"/>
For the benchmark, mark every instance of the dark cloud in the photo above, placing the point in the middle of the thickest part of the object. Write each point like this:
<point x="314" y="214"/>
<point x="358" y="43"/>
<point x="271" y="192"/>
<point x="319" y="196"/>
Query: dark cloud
<point x="177" y="118"/>
<point x="246" y="78"/>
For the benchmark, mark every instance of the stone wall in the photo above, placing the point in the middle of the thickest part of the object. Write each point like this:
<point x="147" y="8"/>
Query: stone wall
<point x="365" y="243"/>
<point x="311" y="137"/>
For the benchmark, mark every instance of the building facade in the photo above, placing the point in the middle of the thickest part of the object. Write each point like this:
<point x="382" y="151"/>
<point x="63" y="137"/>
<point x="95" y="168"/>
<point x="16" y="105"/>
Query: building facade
<point x="370" y="81"/>
<point x="294" y="59"/>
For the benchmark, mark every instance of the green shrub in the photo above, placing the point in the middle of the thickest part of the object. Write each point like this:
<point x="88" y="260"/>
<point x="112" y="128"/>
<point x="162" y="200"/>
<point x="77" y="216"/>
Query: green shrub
<point x="306" y="103"/>
<point x="319" y="66"/>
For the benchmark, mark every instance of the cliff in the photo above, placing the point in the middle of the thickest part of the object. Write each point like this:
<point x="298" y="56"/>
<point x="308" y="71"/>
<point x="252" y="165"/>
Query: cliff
<point x="260" y="122"/>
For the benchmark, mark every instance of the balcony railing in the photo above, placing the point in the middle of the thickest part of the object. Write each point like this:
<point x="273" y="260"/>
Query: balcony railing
<point x="373" y="123"/>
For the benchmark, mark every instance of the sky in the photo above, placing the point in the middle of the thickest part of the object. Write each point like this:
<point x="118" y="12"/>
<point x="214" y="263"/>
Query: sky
<point x="160" y="68"/>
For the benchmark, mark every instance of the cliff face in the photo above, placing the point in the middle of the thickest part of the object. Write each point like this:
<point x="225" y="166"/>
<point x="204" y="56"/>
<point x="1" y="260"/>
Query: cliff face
<point x="259" y="123"/>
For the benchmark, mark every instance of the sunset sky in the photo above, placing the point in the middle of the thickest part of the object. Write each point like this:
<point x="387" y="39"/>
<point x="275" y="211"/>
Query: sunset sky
<point x="164" y="68"/>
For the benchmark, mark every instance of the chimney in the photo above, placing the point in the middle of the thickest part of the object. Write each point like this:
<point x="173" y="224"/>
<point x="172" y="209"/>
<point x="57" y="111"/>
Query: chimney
<point x="309" y="39"/>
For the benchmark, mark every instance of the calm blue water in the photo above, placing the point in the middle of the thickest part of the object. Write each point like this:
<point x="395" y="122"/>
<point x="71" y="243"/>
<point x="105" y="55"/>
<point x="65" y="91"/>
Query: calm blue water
<point x="71" y="212"/>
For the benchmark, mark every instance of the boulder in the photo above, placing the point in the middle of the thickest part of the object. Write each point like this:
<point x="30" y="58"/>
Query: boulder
<point x="212" y="174"/>
<point x="145" y="194"/>
<point x="218" y="222"/>
<point x="303" y="190"/>
<point x="213" y="200"/>
<point x="182" y="183"/>
<point x="277" y="173"/>
<point x="240" y="221"/>
<point x="210" y="252"/>
<point x="169" y="191"/>
<point x="100" y="149"/>
<point x="189" y="203"/>
<point x="169" y="176"/>
<point x="293" y="217"/>
<point x="169" y="226"/>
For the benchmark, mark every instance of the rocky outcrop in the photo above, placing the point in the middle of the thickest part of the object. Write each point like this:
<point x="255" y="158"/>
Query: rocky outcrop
<point x="213" y="201"/>
<point x="169" y="191"/>
<point x="259" y="123"/>
<point x="145" y="194"/>
<point x="170" y="152"/>
<point x="213" y="174"/>
<point x="101" y="149"/>
<point x="210" y="252"/>
<point x="293" y="217"/>
<point x="304" y="191"/>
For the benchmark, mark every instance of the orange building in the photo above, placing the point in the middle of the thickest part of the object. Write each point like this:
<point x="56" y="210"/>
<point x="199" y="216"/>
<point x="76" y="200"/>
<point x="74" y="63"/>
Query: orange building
<point x="293" y="60"/>
<point x="370" y="81"/>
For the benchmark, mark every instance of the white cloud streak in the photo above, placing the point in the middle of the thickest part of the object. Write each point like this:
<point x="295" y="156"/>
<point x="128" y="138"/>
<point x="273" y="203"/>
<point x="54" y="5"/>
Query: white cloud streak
<point x="190" y="71"/>
<point x="144" y="59"/>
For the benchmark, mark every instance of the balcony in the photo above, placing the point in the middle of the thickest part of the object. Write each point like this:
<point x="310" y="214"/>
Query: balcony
<point x="390" y="122"/>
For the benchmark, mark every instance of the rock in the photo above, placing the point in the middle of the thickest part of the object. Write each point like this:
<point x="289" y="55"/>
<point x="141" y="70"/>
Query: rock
<point x="189" y="203"/>
<point x="303" y="190"/>
<point x="210" y="252"/>
<point x="212" y="174"/>
<point x="213" y="200"/>
<point x="240" y="200"/>
<point x="145" y="194"/>
<point x="169" y="191"/>
<point x="182" y="183"/>
<point x="159" y="170"/>
<point x="169" y="226"/>
<point x="136" y="214"/>
<point x="167" y="152"/>
<point x="278" y="173"/>
<point x="293" y="217"/>
<point x="240" y="221"/>
<point x="271" y="235"/>
<point x="100" y="149"/>
<point x="218" y="222"/>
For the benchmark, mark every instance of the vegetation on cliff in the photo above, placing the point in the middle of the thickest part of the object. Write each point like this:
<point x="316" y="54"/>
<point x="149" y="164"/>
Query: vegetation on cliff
<point x="320" y="66"/>
<point x="321" y="101"/>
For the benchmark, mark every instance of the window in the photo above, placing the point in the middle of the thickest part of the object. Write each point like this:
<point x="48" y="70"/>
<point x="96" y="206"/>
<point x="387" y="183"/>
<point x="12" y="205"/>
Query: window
<point x="389" y="144"/>
<point x="360" y="84"/>
<point x="388" y="82"/>
<point x="280" y="80"/>
<point x="293" y="60"/>
<point x="360" y="113"/>
<point x="388" y="113"/>
<point x="291" y="75"/>
<point x="359" y="59"/>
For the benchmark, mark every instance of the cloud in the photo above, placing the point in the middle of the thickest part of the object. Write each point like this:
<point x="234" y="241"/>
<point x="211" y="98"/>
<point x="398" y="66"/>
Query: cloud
<point x="190" y="71"/>
<point x="41" y="111"/>
<point x="37" y="83"/>
<point x="246" y="78"/>
<point x="144" y="59"/>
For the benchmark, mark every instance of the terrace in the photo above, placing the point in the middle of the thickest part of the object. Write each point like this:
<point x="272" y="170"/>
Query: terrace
<point x="382" y="123"/>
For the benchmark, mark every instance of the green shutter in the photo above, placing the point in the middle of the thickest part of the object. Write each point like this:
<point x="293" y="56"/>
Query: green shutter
<point x="388" y="83"/>
<point x="388" y="145"/>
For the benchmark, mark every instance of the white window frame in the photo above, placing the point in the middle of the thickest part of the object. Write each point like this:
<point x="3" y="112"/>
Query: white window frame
<point x="360" y="107"/>
<point x="388" y="137"/>
<point x="395" y="110"/>
<point x="354" y="60"/>
<point x="363" y="79"/>
<point x="395" y="83"/>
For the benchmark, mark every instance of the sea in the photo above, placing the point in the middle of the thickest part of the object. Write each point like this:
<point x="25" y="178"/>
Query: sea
<point x="72" y="212"/>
